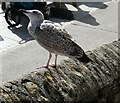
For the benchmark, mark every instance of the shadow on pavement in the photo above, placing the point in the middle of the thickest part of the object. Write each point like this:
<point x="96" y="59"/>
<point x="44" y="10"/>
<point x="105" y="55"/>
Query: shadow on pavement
<point x="21" y="31"/>
<point x="99" y="5"/>
<point x="92" y="21"/>
<point x="67" y="15"/>
<point x="64" y="15"/>
<point x="1" y="39"/>
<point x="85" y="17"/>
<point x="79" y="15"/>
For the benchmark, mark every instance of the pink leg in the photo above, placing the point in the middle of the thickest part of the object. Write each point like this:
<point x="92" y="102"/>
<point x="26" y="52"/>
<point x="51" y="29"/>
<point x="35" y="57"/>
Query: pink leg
<point x="54" y="65"/>
<point x="46" y="66"/>
<point x="56" y="60"/>
<point x="50" y="55"/>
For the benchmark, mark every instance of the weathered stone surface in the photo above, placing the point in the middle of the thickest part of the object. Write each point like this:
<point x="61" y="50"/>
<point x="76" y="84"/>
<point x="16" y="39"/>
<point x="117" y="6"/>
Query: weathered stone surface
<point x="71" y="80"/>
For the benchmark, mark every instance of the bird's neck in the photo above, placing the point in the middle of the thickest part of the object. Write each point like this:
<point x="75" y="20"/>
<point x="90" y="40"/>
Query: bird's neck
<point x="32" y="26"/>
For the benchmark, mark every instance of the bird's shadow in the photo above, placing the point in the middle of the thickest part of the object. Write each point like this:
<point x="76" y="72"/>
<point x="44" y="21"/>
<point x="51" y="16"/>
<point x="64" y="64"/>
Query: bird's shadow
<point x="21" y="31"/>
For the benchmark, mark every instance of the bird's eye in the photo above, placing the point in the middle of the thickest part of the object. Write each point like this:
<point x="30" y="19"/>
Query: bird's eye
<point x="35" y="12"/>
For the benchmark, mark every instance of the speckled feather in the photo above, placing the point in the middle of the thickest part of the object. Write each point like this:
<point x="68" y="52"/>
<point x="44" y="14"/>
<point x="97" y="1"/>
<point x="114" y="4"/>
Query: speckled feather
<point x="53" y="37"/>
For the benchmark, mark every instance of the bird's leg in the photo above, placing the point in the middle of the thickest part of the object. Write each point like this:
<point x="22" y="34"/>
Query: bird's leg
<point x="56" y="60"/>
<point x="50" y="55"/>
<point x="55" y="64"/>
<point x="46" y="66"/>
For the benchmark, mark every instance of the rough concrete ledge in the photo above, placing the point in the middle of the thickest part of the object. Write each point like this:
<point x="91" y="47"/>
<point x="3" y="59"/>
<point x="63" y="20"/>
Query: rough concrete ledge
<point x="71" y="80"/>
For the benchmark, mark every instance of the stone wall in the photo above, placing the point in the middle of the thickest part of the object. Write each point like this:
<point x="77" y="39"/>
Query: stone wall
<point x="71" y="81"/>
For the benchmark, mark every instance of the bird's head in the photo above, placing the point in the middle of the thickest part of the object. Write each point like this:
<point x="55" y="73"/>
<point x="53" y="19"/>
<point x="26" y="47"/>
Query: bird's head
<point x="33" y="15"/>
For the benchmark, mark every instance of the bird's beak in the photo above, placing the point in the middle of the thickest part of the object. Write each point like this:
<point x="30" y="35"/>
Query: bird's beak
<point x="24" y="11"/>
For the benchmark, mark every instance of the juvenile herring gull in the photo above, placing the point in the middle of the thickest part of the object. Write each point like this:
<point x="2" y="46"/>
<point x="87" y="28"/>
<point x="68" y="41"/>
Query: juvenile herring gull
<point x="53" y="37"/>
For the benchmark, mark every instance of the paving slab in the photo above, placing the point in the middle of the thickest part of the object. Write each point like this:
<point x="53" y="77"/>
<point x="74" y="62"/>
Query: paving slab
<point x="90" y="38"/>
<point x="2" y="19"/>
<point x="104" y="19"/>
<point x="23" y="59"/>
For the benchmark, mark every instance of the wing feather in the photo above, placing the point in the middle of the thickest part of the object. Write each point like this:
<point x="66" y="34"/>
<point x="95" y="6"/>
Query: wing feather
<point x="57" y="28"/>
<point x="56" y="39"/>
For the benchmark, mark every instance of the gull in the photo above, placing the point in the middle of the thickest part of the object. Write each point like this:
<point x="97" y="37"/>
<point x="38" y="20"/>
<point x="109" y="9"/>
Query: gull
<point x="53" y="37"/>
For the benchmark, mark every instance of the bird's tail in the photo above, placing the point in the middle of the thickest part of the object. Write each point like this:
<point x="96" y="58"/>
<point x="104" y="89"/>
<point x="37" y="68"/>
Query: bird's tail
<point x="84" y="59"/>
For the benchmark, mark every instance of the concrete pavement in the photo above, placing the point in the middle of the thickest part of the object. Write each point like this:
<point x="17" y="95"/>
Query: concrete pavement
<point x="94" y="26"/>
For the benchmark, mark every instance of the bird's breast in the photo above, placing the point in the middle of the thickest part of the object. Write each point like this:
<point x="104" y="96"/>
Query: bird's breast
<point x="53" y="43"/>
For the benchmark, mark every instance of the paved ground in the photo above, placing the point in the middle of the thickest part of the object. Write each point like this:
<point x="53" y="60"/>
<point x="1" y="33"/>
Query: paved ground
<point x="95" y="24"/>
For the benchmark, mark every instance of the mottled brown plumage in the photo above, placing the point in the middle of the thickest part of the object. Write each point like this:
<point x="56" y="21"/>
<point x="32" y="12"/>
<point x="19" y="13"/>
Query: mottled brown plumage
<point x="53" y="37"/>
